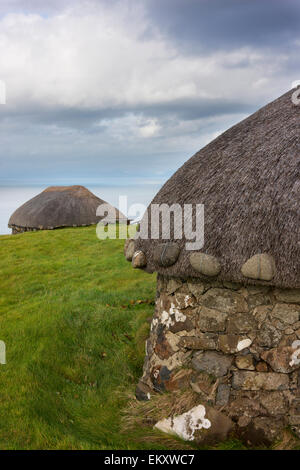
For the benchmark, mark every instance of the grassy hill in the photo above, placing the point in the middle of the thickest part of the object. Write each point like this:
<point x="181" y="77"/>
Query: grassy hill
<point x="73" y="317"/>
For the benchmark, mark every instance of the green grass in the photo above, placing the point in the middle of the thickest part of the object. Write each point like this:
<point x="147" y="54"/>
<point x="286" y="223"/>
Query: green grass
<point x="73" y="315"/>
<point x="75" y="342"/>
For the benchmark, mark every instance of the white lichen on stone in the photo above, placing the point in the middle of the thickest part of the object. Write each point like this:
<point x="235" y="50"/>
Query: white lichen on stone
<point x="186" y="424"/>
<point x="154" y="323"/>
<point x="296" y="354"/>
<point x="169" y="318"/>
<point x="186" y="300"/>
<point x="243" y="344"/>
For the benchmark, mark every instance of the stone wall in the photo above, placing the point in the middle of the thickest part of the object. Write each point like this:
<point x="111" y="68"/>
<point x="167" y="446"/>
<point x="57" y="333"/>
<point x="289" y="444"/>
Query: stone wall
<point x="15" y="230"/>
<point x="238" y="347"/>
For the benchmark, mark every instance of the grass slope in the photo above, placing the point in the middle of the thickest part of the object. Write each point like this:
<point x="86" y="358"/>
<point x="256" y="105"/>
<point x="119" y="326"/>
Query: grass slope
<point x="73" y="339"/>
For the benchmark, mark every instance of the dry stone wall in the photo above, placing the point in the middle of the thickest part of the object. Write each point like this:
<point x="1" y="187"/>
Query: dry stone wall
<point x="15" y="230"/>
<point x="238" y="347"/>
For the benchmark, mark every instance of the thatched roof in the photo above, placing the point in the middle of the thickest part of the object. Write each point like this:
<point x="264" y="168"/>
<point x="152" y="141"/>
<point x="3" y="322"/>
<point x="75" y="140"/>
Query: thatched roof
<point x="59" y="206"/>
<point x="249" y="181"/>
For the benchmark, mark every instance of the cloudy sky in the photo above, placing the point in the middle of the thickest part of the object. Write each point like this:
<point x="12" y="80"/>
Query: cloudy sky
<point x="108" y="90"/>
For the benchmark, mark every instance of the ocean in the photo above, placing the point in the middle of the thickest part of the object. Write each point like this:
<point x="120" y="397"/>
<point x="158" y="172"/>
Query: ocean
<point x="12" y="197"/>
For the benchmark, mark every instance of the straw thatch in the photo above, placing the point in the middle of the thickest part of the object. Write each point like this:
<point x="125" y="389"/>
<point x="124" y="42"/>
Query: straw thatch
<point x="249" y="181"/>
<point x="59" y="206"/>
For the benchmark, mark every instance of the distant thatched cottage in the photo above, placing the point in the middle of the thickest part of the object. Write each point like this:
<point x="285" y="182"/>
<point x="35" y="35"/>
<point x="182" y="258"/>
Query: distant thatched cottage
<point x="227" y="317"/>
<point x="57" y="207"/>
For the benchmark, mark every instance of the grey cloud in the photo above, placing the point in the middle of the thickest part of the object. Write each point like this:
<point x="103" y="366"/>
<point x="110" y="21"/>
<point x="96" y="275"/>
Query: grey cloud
<point x="34" y="6"/>
<point x="183" y="109"/>
<point x="80" y="145"/>
<point x="202" y="26"/>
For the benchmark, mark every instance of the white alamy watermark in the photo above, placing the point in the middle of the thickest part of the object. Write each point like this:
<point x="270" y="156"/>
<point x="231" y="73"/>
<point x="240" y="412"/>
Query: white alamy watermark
<point x="2" y="92"/>
<point x="2" y="352"/>
<point x="296" y="94"/>
<point x="159" y="221"/>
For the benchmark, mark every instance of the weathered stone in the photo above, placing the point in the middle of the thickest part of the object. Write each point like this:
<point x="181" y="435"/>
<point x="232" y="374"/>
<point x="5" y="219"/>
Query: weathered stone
<point x="255" y="351"/>
<point x="223" y="394"/>
<point x="129" y="249"/>
<point x="139" y="260"/>
<point x="184" y="333"/>
<point x="294" y="411"/>
<point x="255" y="290"/>
<point x="212" y="363"/>
<point x="268" y="336"/>
<point x="286" y="313"/>
<point x="177" y="360"/>
<point x="185" y="425"/>
<point x="201" y="424"/>
<point x="230" y="344"/>
<point x="173" y="340"/>
<point x="163" y="349"/>
<point x="295" y="421"/>
<point x="244" y="406"/>
<point x="245" y="380"/>
<point x="258" y="300"/>
<point x="166" y="343"/>
<point x="178" y="326"/>
<point x="196" y="288"/>
<point x="295" y="380"/>
<point x="281" y="358"/>
<point x="211" y="320"/>
<point x="289" y="331"/>
<point x="161" y="283"/>
<point x="245" y="362"/>
<point x="203" y="383"/>
<point x="217" y="339"/>
<point x="183" y="301"/>
<point x="241" y="323"/>
<point x="204" y="341"/>
<point x="288" y="295"/>
<point x="261" y="312"/>
<point x="231" y="285"/>
<point x="279" y="325"/>
<point x="262" y="431"/>
<point x="178" y="380"/>
<point x="143" y="391"/>
<point x="274" y="402"/>
<point x="173" y="285"/>
<point x="205" y="264"/>
<point x="184" y="289"/>
<point x="170" y="313"/>
<point x="288" y="340"/>
<point x="220" y="429"/>
<point x="149" y="347"/>
<point x="243" y="421"/>
<point x="261" y="367"/>
<point x="166" y="254"/>
<point x="260" y="266"/>
<point x="160" y="375"/>
<point x="224" y="300"/>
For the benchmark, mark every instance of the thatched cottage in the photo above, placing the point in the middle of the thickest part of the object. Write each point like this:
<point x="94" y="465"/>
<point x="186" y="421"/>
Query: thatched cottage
<point x="227" y="316"/>
<point x="57" y="207"/>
